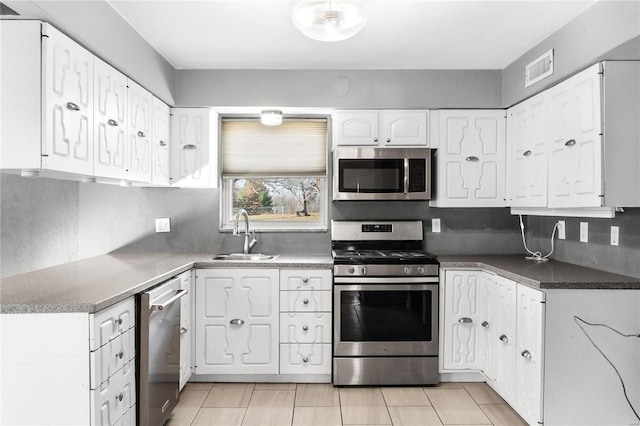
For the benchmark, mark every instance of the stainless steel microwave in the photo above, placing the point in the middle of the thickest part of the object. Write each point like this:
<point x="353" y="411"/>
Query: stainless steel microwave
<point x="361" y="173"/>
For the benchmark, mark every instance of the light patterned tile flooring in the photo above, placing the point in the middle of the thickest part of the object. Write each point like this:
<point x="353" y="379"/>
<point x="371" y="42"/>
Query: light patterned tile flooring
<point x="290" y="404"/>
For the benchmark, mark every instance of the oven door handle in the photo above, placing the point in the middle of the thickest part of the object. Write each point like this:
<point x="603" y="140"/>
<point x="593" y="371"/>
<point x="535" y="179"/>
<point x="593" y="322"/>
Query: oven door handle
<point x="406" y="175"/>
<point x="386" y="280"/>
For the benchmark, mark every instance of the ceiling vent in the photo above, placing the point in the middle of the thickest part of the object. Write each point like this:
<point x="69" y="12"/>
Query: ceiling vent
<point x="7" y="11"/>
<point x="539" y="69"/>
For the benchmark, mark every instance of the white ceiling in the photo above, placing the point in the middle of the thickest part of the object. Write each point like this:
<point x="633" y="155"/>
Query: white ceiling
<point x="400" y="34"/>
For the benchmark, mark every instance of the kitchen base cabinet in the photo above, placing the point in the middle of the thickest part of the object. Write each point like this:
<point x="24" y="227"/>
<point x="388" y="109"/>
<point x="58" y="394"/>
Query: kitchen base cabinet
<point x="186" y="330"/>
<point x="63" y="372"/>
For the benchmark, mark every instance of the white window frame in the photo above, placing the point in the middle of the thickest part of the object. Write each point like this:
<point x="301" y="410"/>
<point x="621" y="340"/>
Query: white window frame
<point x="227" y="221"/>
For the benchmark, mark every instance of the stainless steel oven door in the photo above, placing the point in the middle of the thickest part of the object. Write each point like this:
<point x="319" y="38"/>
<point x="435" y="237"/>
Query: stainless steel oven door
<point x="385" y="316"/>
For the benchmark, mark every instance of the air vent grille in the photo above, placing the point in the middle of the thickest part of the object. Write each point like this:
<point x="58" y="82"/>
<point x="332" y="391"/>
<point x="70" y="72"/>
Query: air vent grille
<point x="539" y="69"/>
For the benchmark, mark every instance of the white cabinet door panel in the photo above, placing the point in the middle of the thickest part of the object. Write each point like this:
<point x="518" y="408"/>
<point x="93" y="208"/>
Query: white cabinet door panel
<point x="186" y="331"/>
<point x="404" y="128"/>
<point x="67" y="144"/>
<point x="193" y="147"/>
<point x="356" y="128"/>
<point x="113" y="398"/>
<point x="139" y="133"/>
<point x="504" y="338"/>
<point x="112" y="357"/>
<point x="109" y="323"/>
<point x="160" y="153"/>
<point x="305" y="301"/>
<point x="296" y="327"/>
<point x="305" y="279"/>
<point x="298" y="358"/>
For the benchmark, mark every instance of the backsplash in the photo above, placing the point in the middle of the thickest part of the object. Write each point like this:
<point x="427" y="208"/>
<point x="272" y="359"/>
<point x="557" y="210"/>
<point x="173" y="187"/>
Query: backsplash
<point x="597" y="253"/>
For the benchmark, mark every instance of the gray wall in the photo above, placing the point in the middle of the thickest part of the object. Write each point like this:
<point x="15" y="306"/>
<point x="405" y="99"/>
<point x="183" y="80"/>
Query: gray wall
<point x="594" y="35"/>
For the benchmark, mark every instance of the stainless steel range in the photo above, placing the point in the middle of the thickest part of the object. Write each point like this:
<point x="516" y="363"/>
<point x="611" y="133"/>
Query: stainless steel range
<point x="385" y="304"/>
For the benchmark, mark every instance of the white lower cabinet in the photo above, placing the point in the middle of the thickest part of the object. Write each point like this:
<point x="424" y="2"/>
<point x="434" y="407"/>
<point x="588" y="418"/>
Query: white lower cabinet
<point x="495" y="325"/>
<point x="186" y="331"/>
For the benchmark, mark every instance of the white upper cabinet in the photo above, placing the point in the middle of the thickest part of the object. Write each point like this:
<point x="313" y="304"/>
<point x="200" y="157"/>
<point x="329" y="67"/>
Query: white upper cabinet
<point x="194" y="132"/>
<point x="110" y="115"/>
<point x="139" y="133"/>
<point x="381" y="128"/>
<point x="160" y="134"/>
<point x="527" y="164"/>
<point x="470" y="158"/>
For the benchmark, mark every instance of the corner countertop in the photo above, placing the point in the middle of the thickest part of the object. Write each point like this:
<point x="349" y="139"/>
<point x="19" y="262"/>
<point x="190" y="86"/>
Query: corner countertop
<point x="96" y="283"/>
<point x="543" y="275"/>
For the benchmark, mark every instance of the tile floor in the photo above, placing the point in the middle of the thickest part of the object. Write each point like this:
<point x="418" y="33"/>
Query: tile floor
<point x="293" y="404"/>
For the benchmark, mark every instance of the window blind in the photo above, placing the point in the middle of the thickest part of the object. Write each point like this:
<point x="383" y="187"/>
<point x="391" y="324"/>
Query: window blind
<point x="297" y="147"/>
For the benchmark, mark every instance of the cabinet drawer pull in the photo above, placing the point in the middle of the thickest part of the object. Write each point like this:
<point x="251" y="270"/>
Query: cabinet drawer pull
<point x="305" y="280"/>
<point x="73" y="107"/>
<point x="472" y="158"/>
<point x="527" y="153"/>
<point x="305" y="359"/>
<point x="485" y="324"/>
<point x="388" y="140"/>
<point x="305" y="327"/>
<point x="112" y="122"/>
<point x="375" y="140"/>
<point x="119" y="321"/>
<point x="236" y="321"/>
<point x="120" y="396"/>
<point x="526" y="354"/>
<point x="120" y="354"/>
<point x="163" y="143"/>
<point x="190" y="146"/>
<point x="465" y="320"/>
<point x="570" y="142"/>
<point x="183" y="330"/>
<point x="142" y="134"/>
<point x="504" y="338"/>
<point x="305" y="301"/>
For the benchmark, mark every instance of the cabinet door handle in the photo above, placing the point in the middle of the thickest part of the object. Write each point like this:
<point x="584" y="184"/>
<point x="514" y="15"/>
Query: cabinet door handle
<point x="305" y="301"/>
<point x="485" y="324"/>
<point x="163" y="143"/>
<point x="112" y="122"/>
<point x="73" y="107"/>
<point x="305" y="327"/>
<point x="570" y="142"/>
<point x="472" y="158"/>
<point x="465" y="320"/>
<point x="504" y="338"/>
<point x="236" y="321"/>
<point x="305" y="359"/>
<point x="120" y="354"/>
<point x="526" y="354"/>
<point x="190" y="146"/>
<point x="142" y="134"/>
<point x="183" y="330"/>
<point x="120" y="396"/>
<point x="527" y="153"/>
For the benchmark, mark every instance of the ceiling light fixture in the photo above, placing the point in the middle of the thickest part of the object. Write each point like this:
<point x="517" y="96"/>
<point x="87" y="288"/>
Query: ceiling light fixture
<point x="329" y="20"/>
<point x="271" y="117"/>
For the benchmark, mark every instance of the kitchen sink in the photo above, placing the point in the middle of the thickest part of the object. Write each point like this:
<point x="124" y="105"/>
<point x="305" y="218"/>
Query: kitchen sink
<point x="253" y="257"/>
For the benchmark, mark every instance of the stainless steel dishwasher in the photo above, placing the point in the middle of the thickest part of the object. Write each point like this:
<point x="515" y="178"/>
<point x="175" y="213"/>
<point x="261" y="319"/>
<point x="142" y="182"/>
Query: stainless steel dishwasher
<point x="158" y="356"/>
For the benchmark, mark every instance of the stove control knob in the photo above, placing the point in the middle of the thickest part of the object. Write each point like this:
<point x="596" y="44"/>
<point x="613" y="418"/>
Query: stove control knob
<point x="420" y="270"/>
<point x="407" y="270"/>
<point x="351" y="269"/>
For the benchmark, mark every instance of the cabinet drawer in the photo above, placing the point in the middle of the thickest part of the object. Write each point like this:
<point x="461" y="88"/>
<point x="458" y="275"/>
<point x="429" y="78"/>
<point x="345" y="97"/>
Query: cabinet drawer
<point x="305" y="327"/>
<point x="305" y="301"/>
<point x="313" y="358"/>
<point x="109" y="323"/>
<point x="305" y="279"/>
<point x="129" y="418"/>
<point x="114" y="397"/>
<point x="111" y="357"/>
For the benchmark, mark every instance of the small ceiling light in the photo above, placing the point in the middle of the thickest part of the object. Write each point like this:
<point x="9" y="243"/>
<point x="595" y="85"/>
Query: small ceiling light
<point x="271" y="117"/>
<point x="329" y="20"/>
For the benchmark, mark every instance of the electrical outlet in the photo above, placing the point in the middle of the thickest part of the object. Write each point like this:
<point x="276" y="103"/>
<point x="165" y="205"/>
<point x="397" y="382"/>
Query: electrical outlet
<point x="435" y="225"/>
<point x="163" y="224"/>
<point x="584" y="232"/>
<point x="561" y="230"/>
<point x="615" y="235"/>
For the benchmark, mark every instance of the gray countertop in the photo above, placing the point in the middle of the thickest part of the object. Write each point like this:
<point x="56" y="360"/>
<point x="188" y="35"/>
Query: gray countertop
<point x="93" y="284"/>
<point x="543" y="275"/>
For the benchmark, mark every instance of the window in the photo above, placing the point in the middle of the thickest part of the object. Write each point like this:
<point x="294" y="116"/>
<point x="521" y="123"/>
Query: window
<point x="277" y="174"/>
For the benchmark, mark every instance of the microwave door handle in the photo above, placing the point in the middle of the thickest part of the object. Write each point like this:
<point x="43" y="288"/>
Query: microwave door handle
<point x="406" y="175"/>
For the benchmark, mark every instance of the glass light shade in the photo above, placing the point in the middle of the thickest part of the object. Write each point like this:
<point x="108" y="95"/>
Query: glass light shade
<point x="329" y="20"/>
<point x="271" y="117"/>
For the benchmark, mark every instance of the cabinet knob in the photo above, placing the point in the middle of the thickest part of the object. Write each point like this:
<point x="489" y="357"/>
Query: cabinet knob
<point x="119" y="321"/>
<point x="527" y="153"/>
<point x="73" y="107"/>
<point x="526" y="354"/>
<point x="388" y="140"/>
<point x="120" y="354"/>
<point x="112" y="122"/>
<point x="472" y="158"/>
<point x="485" y="324"/>
<point x="570" y="142"/>
<point x="305" y="280"/>
<point x="236" y="321"/>
<point x="305" y="359"/>
<point x="305" y="301"/>
<point x="504" y="338"/>
<point x="375" y="139"/>
<point x="163" y="143"/>
<point x="142" y="134"/>
<point x="120" y="396"/>
<point x="465" y="320"/>
<point x="190" y="146"/>
<point x="183" y="330"/>
<point x="305" y="327"/>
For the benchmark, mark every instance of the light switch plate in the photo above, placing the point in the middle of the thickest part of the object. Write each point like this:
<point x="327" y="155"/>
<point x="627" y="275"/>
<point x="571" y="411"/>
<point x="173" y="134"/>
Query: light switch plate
<point x="435" y="225"/>
<point x="615" y="235"/>
<point x="584" y="232"/>
<point x="163" y="224"/>
<point x="562" y="234"/>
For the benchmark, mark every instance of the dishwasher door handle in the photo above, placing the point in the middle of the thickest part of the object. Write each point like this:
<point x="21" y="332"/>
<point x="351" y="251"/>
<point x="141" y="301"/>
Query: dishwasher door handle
<point x="161" y="306"/>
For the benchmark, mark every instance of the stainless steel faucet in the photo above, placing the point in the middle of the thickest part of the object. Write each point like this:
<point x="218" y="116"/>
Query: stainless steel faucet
<point x="248" y="244"/>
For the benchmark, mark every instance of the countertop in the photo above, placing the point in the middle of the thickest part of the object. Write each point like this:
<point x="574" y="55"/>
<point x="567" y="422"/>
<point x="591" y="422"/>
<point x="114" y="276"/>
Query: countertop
<point x="96" y="283"/>
<point x="543" y="275"/>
